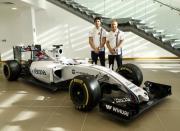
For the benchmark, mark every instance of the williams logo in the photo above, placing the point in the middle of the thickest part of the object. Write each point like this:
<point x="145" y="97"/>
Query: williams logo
<point x="39" y="72"/>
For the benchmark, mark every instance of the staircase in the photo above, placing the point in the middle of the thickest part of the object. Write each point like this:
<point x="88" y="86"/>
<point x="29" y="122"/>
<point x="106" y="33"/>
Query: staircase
<point x="136" y="26"/>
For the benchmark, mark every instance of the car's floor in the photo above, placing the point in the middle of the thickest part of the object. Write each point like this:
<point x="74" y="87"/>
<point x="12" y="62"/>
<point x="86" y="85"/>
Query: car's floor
<point x="25" y="107"/>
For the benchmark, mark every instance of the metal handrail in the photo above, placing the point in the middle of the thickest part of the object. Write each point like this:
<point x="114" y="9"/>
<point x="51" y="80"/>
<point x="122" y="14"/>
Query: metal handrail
<point x="167" y="5"/>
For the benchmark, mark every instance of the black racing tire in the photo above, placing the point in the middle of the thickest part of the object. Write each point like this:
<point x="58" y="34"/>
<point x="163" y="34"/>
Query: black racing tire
<point x="11" y="70"/>
<point x="131" y="72"/>
<point x="85" y="92"/>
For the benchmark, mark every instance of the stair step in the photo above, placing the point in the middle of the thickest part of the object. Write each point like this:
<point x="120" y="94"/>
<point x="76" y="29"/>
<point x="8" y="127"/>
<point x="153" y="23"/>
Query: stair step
<point x="106" y="20"/>
<point x="177" y="41"/>
<point x="151" y="31"/>
<point x="167" y="36"/>
<point x="124" y="20"/>
<point x="175" y="44"/>
<point x="70" y="2"/>
<point x="82" y="9"/>
<point x="142" y="22"/>
<point x="62" y="0"/>
<point x="89" y="12"/>
<point x="157" y="35"/>
<point x="151" y="26"/>
<point x="168" y="40"/>
<point x="177" y="47"/>
<point x="143" y="27"/>
<point x="137" y="22"/>
<point x="86" y="10"/>
<point x="75" y="5"/>
<point x="160" y="31"/>
<point x="92" y="14"/>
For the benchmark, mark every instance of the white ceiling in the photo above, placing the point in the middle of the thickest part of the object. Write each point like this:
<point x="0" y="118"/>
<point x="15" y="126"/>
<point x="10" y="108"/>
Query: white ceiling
<point x="6" y="5"/>
<point x="21" y="4"/>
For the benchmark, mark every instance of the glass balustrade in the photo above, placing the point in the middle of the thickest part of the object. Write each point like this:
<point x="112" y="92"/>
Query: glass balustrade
<point x="160" y="15"/>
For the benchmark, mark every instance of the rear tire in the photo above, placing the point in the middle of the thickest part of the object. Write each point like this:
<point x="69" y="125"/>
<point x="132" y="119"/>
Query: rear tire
<point x="132" y="73"/>
<point x="11" y="70"/>
<point x="85" y="92"/>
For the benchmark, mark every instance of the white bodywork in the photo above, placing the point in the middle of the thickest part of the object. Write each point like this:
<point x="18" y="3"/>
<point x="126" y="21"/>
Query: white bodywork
<point x="69" y="68"/>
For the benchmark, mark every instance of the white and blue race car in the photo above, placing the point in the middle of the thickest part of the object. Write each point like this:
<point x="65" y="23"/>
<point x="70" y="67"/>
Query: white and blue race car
<point x="116" y="92"/>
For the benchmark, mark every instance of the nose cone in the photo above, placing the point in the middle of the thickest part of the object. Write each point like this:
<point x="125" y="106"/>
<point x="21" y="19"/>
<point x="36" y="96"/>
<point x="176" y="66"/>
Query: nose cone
<point x="144" y="97"/>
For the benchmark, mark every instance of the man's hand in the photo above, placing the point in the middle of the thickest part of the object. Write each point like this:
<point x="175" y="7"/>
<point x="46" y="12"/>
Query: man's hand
<point x="112" y="51"/>
<point x="96" y="50"/>
<point x="115" y="49"/>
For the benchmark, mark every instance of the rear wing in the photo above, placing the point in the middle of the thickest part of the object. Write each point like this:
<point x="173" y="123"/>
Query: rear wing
<point x="18" y="50"/>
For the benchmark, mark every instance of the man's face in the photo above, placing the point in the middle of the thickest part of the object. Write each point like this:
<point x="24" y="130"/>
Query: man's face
<point x="114" y="26"/>
<point x="97" y="23"/>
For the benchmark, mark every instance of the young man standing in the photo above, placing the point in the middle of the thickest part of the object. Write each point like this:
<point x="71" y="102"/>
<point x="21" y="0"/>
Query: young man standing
<point x="97" y="40"/>
<point x="115" y="39"/>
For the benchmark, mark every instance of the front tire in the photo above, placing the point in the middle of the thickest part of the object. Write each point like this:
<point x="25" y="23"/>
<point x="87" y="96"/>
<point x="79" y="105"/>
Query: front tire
<point x="131" y="72"/>
<point x="85" y="92"/>
<point x="11" y="70"/>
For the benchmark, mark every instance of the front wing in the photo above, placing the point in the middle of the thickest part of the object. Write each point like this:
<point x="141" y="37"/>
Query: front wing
<point x="126" y="110"/>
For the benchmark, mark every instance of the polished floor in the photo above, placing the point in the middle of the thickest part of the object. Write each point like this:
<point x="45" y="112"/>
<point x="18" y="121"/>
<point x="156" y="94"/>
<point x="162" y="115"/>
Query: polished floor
<point x="25" y="107"/>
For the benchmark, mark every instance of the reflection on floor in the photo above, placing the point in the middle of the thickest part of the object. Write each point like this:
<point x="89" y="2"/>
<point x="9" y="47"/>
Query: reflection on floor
<point x="25" y="107"/>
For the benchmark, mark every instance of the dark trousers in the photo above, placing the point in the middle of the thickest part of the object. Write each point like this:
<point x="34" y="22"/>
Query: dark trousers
<point x="111" y="59"/>
<point x="101" y="56"/>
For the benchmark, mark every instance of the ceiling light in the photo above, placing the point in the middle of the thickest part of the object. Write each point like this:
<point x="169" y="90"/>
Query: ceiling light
<point x="14" y="8"/>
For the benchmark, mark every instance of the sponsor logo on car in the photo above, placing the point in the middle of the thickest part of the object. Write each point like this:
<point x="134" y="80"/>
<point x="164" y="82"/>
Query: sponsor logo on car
<point x="39" y="72"/>
<point x="122" y="100"/>
<point x="73" y="71"/>
<point x="78" y="72"/>
<point x="117" y="110"/>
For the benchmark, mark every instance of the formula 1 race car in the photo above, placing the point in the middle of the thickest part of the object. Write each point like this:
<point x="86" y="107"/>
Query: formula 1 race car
<point x="117" y="92"/>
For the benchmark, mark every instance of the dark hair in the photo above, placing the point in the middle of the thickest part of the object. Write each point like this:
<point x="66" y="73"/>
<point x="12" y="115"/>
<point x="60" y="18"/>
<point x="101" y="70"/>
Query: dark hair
<point x="97" y="18"/>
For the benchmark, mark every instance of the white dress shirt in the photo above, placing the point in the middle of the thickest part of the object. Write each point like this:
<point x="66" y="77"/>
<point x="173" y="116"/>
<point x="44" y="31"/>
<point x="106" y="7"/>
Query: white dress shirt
<point x="114" y="40"/>
<point x="95" y="34"/>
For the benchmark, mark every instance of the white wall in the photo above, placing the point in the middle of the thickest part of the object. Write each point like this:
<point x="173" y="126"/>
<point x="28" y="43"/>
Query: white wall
<point x="15" y="28"/>
<point x="36" y="3"/>
<point x="57" y="26"/>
